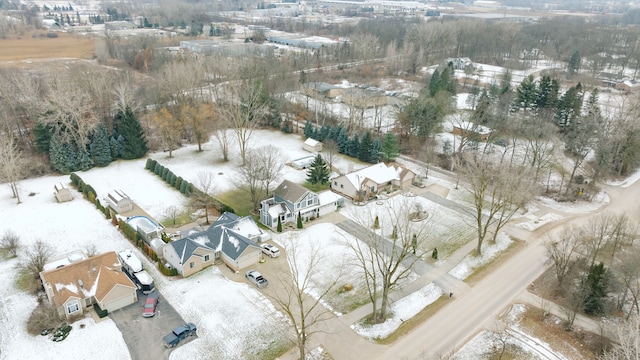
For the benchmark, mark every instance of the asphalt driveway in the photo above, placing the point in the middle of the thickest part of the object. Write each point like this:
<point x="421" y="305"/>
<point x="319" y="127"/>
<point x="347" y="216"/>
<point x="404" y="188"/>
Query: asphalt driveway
<point x="143" y="336"/>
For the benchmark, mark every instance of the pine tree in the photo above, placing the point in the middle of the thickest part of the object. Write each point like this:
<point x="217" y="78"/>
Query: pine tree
<point x="42" y="137"/>
<point x="390" y="149"/>
<point x="62" y="156"/>
<point x="308" y="129"/>
<point x="128" y="126"/>
<point x="279" y="227"/>
<point x="574" y="62"/>
<point x="343" y="140"/>
<point x="364" y="150"/>
<point x="434" y="83"/>
<point x="374" y="157"/>
<point x="318" y="172"/>
<point x="353" y="148"/>
<point x="116" y="146"/>
<point x="83" y="160"/>
<point x="376" y="223"/>
<point x="596" y="289"/>
<point x="99" y="147"/>
<point x="299" y="224"/>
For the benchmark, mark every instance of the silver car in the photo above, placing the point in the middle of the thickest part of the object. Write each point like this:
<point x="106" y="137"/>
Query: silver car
<point x="256" y="278"/>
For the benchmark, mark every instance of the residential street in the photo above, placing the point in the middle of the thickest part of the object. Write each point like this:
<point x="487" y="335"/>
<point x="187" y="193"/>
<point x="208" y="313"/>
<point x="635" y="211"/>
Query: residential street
<point x="471" y="308"/>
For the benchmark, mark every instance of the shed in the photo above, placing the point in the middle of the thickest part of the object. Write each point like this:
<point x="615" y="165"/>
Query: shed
<point x="119" y="201"/>
<point x="62" y="193"/>
<point x="312" y="145"/>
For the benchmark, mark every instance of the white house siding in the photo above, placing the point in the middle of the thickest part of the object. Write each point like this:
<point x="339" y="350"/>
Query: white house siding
<point x="170" y="255"/>
<point x="342" y="185"/>
<point x="119" y="297"/>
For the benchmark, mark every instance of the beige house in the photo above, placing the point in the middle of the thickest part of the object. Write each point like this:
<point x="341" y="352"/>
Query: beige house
<point x="62" y="193"/>
<point x="188" y="256"/>
<point x="365" y="183"/>
<point x="98" y="280"/>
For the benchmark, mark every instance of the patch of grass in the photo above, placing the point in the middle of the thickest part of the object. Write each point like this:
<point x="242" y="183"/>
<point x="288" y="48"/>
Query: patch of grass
<point x="480" y="272"/>
<point x="239" y="200"/>
<point x="182" y="219"/>
<point x="416" y="320"/>
<point x="315" y="187"/>
<point x="26" y="282"/>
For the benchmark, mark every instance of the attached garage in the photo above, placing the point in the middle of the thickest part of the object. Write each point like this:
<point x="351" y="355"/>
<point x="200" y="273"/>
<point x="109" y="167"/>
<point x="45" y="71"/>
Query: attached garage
<point x="119" y="297"/>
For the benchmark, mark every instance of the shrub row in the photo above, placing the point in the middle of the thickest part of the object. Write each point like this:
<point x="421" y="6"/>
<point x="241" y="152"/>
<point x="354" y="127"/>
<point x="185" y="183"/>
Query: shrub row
<point x="165" y="271"/>
<point x="169" y="177"/>
<point x="180" y="184"/>
<point x="89" y="193"/>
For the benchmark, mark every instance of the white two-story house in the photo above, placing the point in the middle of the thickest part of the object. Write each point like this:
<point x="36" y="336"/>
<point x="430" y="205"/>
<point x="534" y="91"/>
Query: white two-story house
<point x="290" y="200"/>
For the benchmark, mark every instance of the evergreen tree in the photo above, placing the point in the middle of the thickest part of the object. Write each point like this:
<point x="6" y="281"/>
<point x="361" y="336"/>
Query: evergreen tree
<point x="526" y="95"/>
<point x="318" y="172"/>
<point x="116" y="146"/>
<point x="574" y="62"/>
<point x="366" y="144"/>
<point x="62" y="156"/>
<point x="83" y="160"/>
<point x="99" y="147"/>
<point x="481" y="113"/>
<point x="569" y="106"/>
<point x="596" y="289"/>
<point x="434" y="83"/>
<point x="324" y="133"/>
<point x="42" y="137"/>
<point x="308" y="129"/>
<point x="128" y="126"/>
<point x="390" y="149"/>
<point x="279" y="227"/>
<point x="374" y="157"/>
<point x="376" y="223"/>
<point x="299" y="223"/>
<point x="353" y="148"/>
<point x="343" y="140"/>
<point x="547" y="93"/>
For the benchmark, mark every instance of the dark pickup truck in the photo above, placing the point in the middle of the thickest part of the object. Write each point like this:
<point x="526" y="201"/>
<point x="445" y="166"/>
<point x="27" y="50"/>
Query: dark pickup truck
<point x="172" y="339"/>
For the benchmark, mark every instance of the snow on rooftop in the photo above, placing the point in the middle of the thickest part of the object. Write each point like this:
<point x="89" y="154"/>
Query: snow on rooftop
<point x="379" y="173"/>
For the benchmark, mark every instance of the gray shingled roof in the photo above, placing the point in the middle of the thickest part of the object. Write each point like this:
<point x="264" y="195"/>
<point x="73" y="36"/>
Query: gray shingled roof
<point x="290" y="191"/>
<point x="221" y="236"/>
<point x="186" y="246"/>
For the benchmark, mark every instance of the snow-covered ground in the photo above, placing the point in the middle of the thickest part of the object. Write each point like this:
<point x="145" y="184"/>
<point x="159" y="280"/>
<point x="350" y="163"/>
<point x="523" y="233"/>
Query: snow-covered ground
<point x="489" y="252"/>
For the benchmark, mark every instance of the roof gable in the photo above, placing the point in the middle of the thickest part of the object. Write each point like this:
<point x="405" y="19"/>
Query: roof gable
<point x="94" y="276"/>
<point x="378" y="173"/>
<point x="290" y="191"/>
<point x="185" y="247"/>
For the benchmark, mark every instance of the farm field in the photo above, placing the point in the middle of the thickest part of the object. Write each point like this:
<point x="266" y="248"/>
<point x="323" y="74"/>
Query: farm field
<point x="38" y="46"/>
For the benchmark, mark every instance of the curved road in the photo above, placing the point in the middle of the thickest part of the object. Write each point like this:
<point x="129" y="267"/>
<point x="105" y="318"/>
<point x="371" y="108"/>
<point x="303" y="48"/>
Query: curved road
<point x="458" y="321"/>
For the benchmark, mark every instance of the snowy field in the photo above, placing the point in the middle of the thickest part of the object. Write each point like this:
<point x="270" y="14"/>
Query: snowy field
<point x="489" y="252"/>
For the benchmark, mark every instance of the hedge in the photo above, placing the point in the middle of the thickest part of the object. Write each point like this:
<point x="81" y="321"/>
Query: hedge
<point x="165" y="271"/>
<point x="101" y="313"/>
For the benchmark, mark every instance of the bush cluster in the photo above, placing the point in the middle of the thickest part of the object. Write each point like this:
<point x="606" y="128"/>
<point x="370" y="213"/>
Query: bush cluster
<point x="166" y="271"/>
<point x="101" y="313"/>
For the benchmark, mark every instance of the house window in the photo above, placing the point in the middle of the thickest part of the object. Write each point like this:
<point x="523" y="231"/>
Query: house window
<point x="206" y="258"/>
<point x="341" y="186"/>
<point x="72" y="307"/>
<point x="335" y="183"/>
<point x="373" y="189"/>
<point x="309" y="202"/>
<point x="192" y="264"/>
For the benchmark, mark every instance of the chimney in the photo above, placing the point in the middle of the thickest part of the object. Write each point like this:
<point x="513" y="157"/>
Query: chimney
<point x="80" y="283"/>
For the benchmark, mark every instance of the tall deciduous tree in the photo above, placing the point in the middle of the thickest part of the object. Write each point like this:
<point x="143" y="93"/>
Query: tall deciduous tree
<point x="303" y="310"/>
<point x="170" y="128"/>
<point x="389" y="258"/>
<point x="12" y="168"/>
<point x="498" y="191"/>
<point x="561" y="251"/>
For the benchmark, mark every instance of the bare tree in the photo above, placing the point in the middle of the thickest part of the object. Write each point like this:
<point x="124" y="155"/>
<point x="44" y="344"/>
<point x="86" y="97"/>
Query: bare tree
<point x="197" y="121"/>
<point x="627" y="346"/>
<point x="272" y="166"/>
<point x="90" y="250"/>
<point x="242" y="105"/>
<point x="169" y="126"/>
<point x="596" y="235"/>
<point x="499" y="191"/>
<point x="303" y="310"/>
<point x="34" y="260"/>
<point x="389" y="258"/>
<point x="12" y="168"/>
<point x="202" y="198"/>
<point x="628" y="275"/>
<point x="249" y="177"/>
<point x="10" y="242"/>
<point x="172" y="213"/>
<point x="330" y="151"/>
<point x="562" y="251"/>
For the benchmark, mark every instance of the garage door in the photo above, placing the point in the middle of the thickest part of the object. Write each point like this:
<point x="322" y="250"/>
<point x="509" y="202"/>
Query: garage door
<point x="119" y="303"/>
<point x="249" y="259"/>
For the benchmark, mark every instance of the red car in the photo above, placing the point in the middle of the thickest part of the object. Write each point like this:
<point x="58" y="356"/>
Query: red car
<point x="151" y="304"/>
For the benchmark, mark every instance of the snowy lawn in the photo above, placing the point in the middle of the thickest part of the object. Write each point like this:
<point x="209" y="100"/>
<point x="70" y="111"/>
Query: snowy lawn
<point x="401" y="310"/>
<point x="472" y="262"/>
<point x="236" y="321"/>
<point x="332" y="245"/>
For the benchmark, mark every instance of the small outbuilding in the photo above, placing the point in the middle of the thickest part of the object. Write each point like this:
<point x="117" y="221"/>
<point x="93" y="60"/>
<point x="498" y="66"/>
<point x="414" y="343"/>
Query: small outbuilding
<point x="62" y="193"/>
<point x="119" y="201"/>
<point x="312" y="145"/>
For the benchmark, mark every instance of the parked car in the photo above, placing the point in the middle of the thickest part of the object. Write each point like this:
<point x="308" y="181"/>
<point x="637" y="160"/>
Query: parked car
<point x="180" y="333"/>
<point x="151" y="304"/>
<point x="270" y="250"/>
<point x="256" y="278"/>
